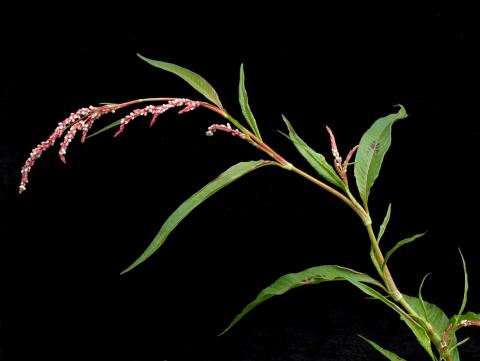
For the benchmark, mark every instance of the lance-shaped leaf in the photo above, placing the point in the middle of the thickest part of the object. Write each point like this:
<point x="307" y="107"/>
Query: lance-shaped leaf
<point x="246" y="111"/>
<point x="310" y="276"/>
<point x="381" y="231"/>
<point x="107" y="127"/>
<point x="371" y="151"/>
<point x="384" y="224"/>
<point x="195" y="80"/>
<point x="465" y="286"/>
<point x="401" y="243"/>
<point x="316" y="160"/>
<point x="388" y="354"/>
<point x="224" y="179"/>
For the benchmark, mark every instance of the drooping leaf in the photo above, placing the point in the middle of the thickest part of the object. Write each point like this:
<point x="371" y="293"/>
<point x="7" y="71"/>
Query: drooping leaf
<point x="400" y="244"/>
<point x="388" y="354"/>
<point x="310" y="276"/>
<point x="371" y="151"/>
<point x="316" y="160"/>
<point x="243" y="99"/>
<point x="224" y="179"/>
<point x="384" y="224"/>
<point x="195" y="80"/>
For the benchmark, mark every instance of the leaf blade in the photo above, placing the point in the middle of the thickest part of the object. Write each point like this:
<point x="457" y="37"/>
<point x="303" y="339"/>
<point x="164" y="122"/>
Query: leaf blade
<point x="195" y="80"/>
<point x="316" y="160"/>
<point x="313" y="275"/>
<point x="373" y="146"/>
<point x="399" y="244"/>
<point x="231" y="174"/>
<point x="385" y="222"/>
<point x="245" y="106"/>
<point x="388" y="354"/>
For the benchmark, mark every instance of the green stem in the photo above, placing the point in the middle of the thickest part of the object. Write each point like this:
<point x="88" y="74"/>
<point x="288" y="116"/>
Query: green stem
<point x="396" y="294"/>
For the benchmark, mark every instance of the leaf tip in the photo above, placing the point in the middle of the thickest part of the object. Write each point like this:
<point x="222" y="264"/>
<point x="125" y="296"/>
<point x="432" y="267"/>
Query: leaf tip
<point x="402" y="113"/>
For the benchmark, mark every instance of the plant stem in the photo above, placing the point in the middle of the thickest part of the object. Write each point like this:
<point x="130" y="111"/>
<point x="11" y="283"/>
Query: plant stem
<point x="396" y="294"/>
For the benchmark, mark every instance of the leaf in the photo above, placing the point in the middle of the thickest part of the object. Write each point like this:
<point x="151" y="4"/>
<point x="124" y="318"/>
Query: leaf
<point x="465" y="286"/>
<point x="107" y="127"/>
<point x="436" y="317"/>
<point x="388" y="354"/>
<point x="224" y="179"/>
<point x="421" y="298"/>
<point x="316" y="160"/>
<point x="310" y="276"/>
<point x="243" y="98"/>
<point x="413" y="324"/>
<point x="195" y="80"/>
<point x="371" y="151"/>
<point x="384" y="224"/>
<point x="400" y="244"/>
<point x="381" y="231"/>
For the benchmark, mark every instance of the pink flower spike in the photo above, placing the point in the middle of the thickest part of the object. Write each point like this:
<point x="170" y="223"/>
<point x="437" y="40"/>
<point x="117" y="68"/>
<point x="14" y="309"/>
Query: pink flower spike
<point x="349" y="156"/>
<point x="224" y="128"/>
<point x="336" y="154"/>
<point x="82" y="119"/>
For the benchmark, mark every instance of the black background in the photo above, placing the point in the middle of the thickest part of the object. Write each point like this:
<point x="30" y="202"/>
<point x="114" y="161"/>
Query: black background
<point x="65" y="240"/>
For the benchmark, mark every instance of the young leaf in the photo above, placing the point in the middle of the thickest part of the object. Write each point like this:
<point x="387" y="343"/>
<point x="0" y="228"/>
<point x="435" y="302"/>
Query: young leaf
<point x="195" y="80"/>
<point x="224" y="179"/>
<point x="465" y="286"/>
<point x="310" y="276"/>
<point x="388" y="354"/>
<point x="371" y="151"/>
<point x="316" y="160"/>
<point x="243" y="98"/>
<point x="381" y="231"/>
<point x="105" y="128"/>
<point x="421" y="298"/>
<point x="384" y="224"/>
<point x="400" y="244"/>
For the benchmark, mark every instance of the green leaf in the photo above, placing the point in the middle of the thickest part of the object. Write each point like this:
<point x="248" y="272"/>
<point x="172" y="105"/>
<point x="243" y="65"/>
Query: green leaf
<point x="388" y="354"/>
<point x="224" y="179"/>
<point x="400" y="244"/>
<point x="110" y="126"/>
<point x="381" y="231"/>
<point x="465" y="286"/>
<point x="310" y="276"/>
<point x="421" y="298"/>
<point x="316" y="160"/>
<point x="436" y="317"/>
<point x="195" y="80"/>
<point x="243" y="98"/>
<point x="371" y="151"/>
<point x="384" y="224"/>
